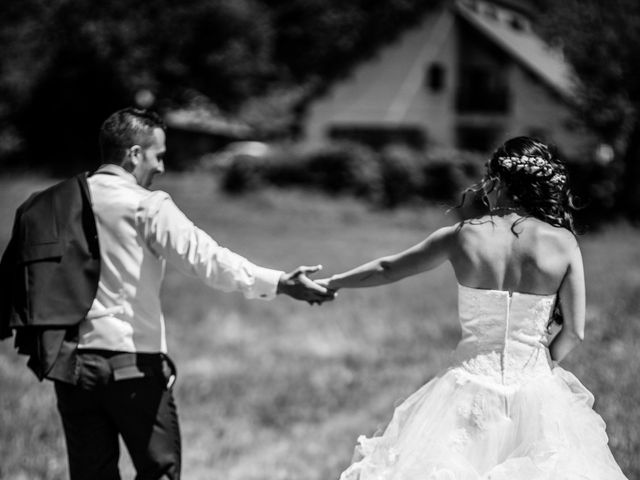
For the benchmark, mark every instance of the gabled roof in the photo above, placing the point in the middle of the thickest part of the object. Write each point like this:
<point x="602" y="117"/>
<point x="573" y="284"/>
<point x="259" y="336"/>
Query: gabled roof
<point x="526" y="47"/>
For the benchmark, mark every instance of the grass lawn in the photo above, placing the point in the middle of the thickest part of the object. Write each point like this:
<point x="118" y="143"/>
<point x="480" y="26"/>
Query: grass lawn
<point x="280" y="390"/>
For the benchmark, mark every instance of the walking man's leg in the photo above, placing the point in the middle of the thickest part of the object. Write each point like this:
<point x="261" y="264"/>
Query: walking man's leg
<point x="91" y="435"/>
<point x="146" y="416"/>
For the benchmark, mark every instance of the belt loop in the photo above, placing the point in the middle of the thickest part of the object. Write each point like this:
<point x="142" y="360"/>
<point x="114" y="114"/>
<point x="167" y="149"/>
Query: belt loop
<point x="125" y="366"/>
<point x="173" y="372"/>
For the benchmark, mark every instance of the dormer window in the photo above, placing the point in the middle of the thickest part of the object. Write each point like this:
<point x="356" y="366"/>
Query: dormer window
<point x="483" y="89"/>
<point x="435" y="77"/>
<point x="519" y="23"/>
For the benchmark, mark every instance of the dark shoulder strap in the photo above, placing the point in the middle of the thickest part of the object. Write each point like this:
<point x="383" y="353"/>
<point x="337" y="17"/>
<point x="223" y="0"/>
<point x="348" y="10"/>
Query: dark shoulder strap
<point x="88" y="218"/>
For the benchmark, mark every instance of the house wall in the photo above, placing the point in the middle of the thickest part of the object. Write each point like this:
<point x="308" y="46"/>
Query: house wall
<point x="538" y="111"/>
<point x="435" y="110"/>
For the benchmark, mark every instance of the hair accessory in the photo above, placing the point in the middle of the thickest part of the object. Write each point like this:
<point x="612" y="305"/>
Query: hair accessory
<point x="536" y="166"/>
<point x="558" y="179"/>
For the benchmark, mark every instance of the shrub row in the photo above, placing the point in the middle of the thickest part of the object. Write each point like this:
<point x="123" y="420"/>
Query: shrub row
<point x="388" y="178"/>
<point x="398" y="175"/>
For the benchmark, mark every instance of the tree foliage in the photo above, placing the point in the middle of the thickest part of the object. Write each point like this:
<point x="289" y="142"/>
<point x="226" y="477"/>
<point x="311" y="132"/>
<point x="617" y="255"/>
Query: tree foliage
<point x="66" y="64"/>
<point x="601" y="39"/>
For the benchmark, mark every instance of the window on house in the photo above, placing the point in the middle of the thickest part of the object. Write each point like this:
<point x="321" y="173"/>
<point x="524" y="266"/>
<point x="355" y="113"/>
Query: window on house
<point x="483" y="89"/>
<point x="478" y="138"/>
<point x="538" y="133"/>
<point x="436" y="77"/>
<point x="518" y="23"/>
<point x="379" y="136"/>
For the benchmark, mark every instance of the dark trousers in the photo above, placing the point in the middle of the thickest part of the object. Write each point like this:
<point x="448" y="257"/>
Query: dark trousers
<point x="113" y="398"/>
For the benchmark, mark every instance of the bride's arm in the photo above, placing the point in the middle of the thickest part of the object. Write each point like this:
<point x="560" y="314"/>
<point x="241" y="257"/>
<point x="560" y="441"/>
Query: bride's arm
<point x="573" y="305"/>
<point x="424" y="256"/>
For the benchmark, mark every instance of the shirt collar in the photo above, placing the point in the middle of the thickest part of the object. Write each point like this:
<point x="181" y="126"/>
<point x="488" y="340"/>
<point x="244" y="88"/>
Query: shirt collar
<point x="117" y="170"/>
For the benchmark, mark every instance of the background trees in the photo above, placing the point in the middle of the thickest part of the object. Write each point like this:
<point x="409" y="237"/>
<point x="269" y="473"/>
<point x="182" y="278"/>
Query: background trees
<point x="66" y="64"/>
<point x="601" y="39"/>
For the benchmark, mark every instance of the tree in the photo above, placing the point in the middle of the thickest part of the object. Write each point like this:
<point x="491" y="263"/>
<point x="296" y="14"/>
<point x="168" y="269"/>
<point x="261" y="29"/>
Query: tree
<point x="601" y="39"/>
<point x="66" y="64"/>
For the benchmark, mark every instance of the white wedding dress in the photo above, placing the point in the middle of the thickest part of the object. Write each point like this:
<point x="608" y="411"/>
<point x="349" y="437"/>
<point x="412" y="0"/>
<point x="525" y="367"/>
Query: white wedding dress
<point x="500" y="411"/>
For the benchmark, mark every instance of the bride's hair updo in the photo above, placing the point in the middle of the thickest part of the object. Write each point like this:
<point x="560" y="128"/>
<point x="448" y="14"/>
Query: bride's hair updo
<point x="534" y="178"/>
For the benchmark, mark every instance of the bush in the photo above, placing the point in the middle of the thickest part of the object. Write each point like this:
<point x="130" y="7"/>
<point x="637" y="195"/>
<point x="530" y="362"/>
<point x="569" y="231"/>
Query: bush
<point x="595" y="188"/>
<point x="399" y="175"/>
<point x="342" y="168"/>
<point x="345" y="168"/>
<point x="395" y="176"/>
<point x="286" y="167"/>
<point x="448" y="173"/>
<point x="243" y="173"/>
<point x="402" y="171"/>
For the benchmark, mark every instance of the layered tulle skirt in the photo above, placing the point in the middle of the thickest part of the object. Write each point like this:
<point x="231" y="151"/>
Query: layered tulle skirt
<point x="460" y="426"/>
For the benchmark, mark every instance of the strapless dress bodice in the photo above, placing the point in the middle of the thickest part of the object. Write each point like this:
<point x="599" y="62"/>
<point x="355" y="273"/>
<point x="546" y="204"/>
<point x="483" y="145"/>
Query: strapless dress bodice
<point x="504" y="334"/>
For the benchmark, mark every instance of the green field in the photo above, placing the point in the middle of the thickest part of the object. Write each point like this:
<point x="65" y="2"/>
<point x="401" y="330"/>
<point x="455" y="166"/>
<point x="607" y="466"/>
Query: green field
<point x="280" y="390"/>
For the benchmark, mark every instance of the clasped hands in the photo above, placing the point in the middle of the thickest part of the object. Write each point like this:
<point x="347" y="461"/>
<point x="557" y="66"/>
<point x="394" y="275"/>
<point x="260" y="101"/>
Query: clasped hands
<point x="296" y="284"/>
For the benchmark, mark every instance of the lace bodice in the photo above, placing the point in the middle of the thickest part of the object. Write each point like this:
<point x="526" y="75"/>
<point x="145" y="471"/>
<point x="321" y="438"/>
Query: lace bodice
<point x="504" y="334"/>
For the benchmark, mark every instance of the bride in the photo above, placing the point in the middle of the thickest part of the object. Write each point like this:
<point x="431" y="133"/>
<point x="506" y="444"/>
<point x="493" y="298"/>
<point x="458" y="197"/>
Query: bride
<point x="503" y="409"/>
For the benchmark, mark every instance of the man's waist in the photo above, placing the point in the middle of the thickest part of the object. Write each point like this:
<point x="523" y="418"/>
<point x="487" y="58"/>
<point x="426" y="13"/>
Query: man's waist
<point x="143" y="358"/>
<point x="128" y="365"/>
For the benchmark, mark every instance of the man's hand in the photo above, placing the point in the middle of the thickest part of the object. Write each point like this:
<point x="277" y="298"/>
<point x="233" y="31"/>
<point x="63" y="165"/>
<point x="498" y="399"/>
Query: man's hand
<point x="298" y="285"/>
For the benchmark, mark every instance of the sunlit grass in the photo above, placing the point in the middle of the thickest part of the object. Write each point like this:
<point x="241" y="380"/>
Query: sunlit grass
<point x="280" y="390"/>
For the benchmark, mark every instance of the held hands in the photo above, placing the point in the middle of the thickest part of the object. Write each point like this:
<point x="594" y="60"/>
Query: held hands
<point x="298" y="285"/>
<point x="325" y="283"/>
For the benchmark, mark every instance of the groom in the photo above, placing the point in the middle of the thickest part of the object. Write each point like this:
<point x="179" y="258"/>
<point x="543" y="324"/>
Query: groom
<point x="97" y="328"/>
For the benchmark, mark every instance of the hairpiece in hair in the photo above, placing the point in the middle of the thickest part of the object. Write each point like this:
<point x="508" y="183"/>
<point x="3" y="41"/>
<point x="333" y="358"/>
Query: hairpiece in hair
<point x="558" y="179"/>
<point x="536" y="166"/>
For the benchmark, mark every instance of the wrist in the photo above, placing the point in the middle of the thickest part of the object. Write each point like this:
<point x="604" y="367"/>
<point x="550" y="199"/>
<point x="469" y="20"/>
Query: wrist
<point x="333" y="283"/>
<point x="281" y="284"/>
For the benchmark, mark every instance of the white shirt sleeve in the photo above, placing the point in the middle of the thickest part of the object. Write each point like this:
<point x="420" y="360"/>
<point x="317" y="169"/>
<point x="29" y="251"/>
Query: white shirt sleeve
<point x="171" y="235"/>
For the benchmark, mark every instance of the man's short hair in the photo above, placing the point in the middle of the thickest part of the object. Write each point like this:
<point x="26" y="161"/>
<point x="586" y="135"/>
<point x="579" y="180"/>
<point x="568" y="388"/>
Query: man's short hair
<point x="126" y="128"/>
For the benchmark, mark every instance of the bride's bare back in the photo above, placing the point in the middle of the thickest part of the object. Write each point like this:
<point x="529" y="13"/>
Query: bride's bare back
<point x="485" y="253"/>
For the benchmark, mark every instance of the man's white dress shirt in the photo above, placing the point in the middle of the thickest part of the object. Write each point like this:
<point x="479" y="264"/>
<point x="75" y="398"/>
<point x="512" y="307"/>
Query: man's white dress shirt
<point x="138" y="231"/>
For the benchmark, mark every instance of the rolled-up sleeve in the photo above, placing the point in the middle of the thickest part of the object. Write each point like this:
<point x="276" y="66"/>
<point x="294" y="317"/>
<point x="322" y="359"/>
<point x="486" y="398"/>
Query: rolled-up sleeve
<point x="171" y="235"/>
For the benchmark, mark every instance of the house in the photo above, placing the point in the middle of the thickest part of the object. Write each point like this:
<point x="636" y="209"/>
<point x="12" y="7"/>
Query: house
<point x="471" y="75"/>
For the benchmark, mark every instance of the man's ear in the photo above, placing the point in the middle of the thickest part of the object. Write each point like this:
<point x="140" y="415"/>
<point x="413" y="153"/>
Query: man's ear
<point x="132" y="158"/>
<point x="135" y="155"/>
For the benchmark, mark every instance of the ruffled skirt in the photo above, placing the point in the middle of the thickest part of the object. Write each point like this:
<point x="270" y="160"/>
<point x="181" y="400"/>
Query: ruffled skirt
<point x="459" y="427"/>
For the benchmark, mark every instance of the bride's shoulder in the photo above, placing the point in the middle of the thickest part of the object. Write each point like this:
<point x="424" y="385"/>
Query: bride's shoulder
<point x="557" y="233"/>
<point x="472" y="226"/>
<point x="525" y="228"/>
<point x="553" y="239"/>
